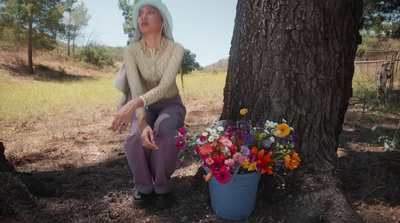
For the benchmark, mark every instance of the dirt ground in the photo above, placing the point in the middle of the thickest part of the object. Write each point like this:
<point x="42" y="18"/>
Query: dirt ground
<point x="82" y="174"/>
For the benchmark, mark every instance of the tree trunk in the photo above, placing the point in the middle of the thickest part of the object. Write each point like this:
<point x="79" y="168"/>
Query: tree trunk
<point x="30" y="45"/>
<point x="294" y="60"/>
<point x="69" y="40"/>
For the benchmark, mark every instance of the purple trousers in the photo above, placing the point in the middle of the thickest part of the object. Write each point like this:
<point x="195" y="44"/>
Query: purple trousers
<point x="152" y="169"/>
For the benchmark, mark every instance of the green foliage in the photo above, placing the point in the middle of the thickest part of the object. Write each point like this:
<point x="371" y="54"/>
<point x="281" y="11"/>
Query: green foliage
<point x="364" y="90"/>
<point x="77" y="18"/>
<point x="189" y="62"/>
<point x="36" y="21"/>
<point x="368" y="42"/>
<point x="96" y="55"/>
<point x="390" y="143"/>
<point x="127" y="10"/>
<point x="385" y="10"/>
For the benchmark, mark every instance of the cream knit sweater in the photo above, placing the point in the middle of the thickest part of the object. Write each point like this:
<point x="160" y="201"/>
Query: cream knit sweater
<point x="151" y="73"/>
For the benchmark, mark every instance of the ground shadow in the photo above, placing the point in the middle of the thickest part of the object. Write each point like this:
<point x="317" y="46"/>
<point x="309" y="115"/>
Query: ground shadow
<point x="368" y="173"/>
<point x="44" y="73"/>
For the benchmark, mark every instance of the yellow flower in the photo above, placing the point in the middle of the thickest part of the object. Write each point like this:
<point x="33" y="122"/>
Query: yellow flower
<point x="284" y="130"/>
<point x="244" y="111"/>
<point x="252" y="166"/>
<point x="246" y="164"/>
<point x="292" y="160"/>
<point x="208" y="177"/>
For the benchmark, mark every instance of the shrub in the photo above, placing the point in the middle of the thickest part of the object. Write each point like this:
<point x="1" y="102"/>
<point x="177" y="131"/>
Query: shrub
<point x="96" y="55"/>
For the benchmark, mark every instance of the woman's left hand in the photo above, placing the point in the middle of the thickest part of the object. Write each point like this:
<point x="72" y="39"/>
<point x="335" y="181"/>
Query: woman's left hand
<point x="124" y="115"/>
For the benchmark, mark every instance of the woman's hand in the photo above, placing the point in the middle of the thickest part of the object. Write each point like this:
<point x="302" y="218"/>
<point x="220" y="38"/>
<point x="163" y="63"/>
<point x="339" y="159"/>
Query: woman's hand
<point x="147" y="138"/>
<point x="125" y="114"/>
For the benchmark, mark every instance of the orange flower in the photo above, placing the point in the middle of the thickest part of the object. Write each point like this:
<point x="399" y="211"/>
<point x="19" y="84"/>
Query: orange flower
<point x="243" y="111"/>
<point x="292" y="160"/>
<point x="265" y="160"/>
<point x="284" y="130"/>
<point x="254" y="150"/>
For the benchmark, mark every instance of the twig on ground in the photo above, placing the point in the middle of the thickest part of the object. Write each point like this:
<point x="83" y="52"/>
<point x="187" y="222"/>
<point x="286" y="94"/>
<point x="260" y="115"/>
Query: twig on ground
<point x="362" y="199"/>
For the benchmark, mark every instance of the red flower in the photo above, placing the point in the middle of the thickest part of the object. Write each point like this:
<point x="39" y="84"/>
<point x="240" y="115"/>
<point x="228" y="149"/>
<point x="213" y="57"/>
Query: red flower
<point x="265" y="160"/>
<point x="206" y="149"/>
<point x="223" y="176"/>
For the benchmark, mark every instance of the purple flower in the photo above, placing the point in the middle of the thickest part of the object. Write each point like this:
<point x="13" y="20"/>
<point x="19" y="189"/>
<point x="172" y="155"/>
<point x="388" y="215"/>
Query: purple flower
<point x="295" y="137"/>
<point x="279" y="166"/>
<point x="260" y="122"/>
<point x="249" y="138"/>
<point x="245" y="151"/>
<point x="266" y="144"/>
<point x="246" y="125"/>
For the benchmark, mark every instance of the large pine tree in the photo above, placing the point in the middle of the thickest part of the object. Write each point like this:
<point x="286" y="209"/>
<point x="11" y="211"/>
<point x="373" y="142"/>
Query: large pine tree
<point x="294" y="60"/>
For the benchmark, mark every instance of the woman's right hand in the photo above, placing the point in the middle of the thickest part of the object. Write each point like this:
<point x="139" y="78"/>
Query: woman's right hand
<point x="125" y="114"/>
<point x="147" y="138"/>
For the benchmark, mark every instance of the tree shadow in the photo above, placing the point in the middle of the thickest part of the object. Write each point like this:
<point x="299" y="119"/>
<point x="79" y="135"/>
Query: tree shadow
<point x="368" y="174"/>
<point x="44" y="73"/>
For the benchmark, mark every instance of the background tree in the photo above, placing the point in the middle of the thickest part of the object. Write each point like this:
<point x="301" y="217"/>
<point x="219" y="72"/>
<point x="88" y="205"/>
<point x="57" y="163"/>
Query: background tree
<point x="189" y="62"/>
<point x="295" y="60"/>
<point x="76" y="18"/>
<point x="377" y="12"/>
<point x="127" y="10"/>
<point x="36" y="21"/>
<point x="80" y="19"/>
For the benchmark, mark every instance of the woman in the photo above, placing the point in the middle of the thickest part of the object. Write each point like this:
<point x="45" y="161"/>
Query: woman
<point x="152" y="104"/>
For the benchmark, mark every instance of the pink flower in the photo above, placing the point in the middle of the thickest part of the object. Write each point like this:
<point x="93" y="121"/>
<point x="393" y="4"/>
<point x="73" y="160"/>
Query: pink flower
<point x="223" y="176"/>
<point x="202" y="138"/>
<point x="226" y="142"/>
<point x="237" y="156"/>
<point x="209" y="161"/>
<point x="242" y="159"/>
<point x="229" y="162"/>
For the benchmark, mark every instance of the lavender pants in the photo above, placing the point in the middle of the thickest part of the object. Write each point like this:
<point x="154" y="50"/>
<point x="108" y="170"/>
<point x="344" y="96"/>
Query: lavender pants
<point x="152" y="169"/>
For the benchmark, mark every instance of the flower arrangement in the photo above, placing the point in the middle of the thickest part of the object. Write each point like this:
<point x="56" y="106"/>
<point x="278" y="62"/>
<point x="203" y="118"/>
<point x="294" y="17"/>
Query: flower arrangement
<point x="266" y="147"/>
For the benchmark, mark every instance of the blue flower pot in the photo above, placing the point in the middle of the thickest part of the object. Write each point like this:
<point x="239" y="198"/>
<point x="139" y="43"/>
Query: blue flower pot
<point x="235" y="200"/>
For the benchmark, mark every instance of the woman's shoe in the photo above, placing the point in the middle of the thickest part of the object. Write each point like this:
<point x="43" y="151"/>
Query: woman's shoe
<point x="162" y="201"/>
<point x="141" y="200"/>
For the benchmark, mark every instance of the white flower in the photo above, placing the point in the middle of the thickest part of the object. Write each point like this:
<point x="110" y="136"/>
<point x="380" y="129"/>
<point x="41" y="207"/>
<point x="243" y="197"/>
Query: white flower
<point x="227" y="150"/>
<point x="215" y="121"/>
<point x="271" y="139"/>
<point x="213" y="131"/>
<point x="277" y="132"/>
<point x="198" y="142"/>
<point x="205" y="134"/>
<point x="216" y="136"/>
<point x="220" y="128"/>
<point x="208" y="129"/>
<point x="211" y="138"/>
<point x="283" y="120"/>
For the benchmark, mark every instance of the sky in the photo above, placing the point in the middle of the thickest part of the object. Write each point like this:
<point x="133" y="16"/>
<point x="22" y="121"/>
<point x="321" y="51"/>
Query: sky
<point x="205" y="27"/>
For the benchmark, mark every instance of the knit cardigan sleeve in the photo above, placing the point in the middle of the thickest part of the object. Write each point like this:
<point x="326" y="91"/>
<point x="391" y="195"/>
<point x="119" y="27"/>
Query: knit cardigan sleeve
<point x="134" y="80"/>
<point x="168" y="77"/>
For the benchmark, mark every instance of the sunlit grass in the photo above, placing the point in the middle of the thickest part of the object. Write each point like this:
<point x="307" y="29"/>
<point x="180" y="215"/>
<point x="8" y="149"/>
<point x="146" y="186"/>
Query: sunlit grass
<point x="21" y="100"/>
<point x="35" y="99"/>
<point x="202" y="86"/>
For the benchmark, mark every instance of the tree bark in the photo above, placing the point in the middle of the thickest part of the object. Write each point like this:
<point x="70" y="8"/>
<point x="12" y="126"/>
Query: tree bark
<point x="30" y="45"/>
<point x="294" y="60"/>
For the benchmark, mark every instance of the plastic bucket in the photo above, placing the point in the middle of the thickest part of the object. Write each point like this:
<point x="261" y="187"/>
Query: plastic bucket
<point x="235" y="200"/>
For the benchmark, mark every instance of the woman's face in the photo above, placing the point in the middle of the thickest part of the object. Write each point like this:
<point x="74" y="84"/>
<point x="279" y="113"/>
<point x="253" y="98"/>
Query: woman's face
<point x="150" y="20"/>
